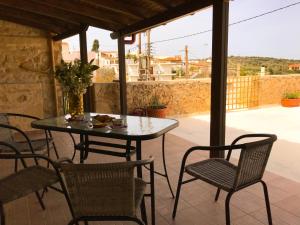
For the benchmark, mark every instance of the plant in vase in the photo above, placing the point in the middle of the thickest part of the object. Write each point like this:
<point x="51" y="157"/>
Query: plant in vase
<point x="75" y="77"/>
<point x="290" y="99"/>
<point x="156" y="108"/>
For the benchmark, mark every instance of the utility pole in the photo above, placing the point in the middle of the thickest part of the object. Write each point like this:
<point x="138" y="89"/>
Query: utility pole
<point x="140" y="54"/>
<point x="148" y="54"/>
<point x="186" y="61"/>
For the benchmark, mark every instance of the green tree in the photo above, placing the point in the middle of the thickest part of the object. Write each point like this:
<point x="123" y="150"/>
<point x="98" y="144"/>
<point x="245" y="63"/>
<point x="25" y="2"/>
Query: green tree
<point x="96" y="46"/>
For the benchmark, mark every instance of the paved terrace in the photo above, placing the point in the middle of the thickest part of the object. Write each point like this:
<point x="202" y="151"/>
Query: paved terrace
<point x="284" y="122"/>
<point x="196" y="206"/>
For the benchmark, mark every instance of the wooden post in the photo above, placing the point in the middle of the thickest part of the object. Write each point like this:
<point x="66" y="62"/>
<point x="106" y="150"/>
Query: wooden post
<point x="87" y="98"/>
<point x="52" y="63"/>
<point x="122" y="75"/>
<point x="219" y="74"/>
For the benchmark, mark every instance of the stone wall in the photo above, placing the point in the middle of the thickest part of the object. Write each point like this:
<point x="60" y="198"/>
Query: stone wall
<point x="182" y="97"/>
<point x="26" y="80"/>
<point x="185" y="97"/>
<point x="272" y="88"/>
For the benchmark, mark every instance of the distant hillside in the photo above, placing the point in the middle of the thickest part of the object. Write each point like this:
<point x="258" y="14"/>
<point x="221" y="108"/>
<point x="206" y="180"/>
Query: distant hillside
<point x="251" y="65"/>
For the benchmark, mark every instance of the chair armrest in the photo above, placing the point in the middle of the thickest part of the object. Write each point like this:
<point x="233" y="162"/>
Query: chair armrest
<point x="30" y="156"/>
<point x="22" y="115"/>
<point x="208" y="148"/>
<point x="21" y="132"/>
<point x="63" y="160"/>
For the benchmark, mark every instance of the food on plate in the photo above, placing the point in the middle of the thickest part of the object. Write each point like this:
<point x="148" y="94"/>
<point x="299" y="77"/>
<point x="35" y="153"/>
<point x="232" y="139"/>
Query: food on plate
<point x="99" y="125"/>
<point x="103" y="118"/>
<point x="75" y="118"/>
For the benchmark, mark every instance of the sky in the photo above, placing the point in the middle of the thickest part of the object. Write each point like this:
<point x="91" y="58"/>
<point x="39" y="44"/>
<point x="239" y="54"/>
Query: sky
<point x="274" y="35"/>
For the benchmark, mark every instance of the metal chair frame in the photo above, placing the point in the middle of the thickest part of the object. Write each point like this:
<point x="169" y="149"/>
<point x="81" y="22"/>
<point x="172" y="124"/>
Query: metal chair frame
<point x="48" y="135"/>
<point x="22" y="158"/>
<point x="142" y="221"/>
<point x="269" y="139"/>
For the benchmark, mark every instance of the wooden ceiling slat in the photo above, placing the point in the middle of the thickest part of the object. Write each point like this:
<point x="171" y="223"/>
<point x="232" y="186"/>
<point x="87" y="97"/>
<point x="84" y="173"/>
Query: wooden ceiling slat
<point x="19" y="17"/>
<point x="65" y="17"/>
<point x="119" y="7"/>
<point x="162" y="18"/>
<point x="87" y="11"/>
<point x="51" y="22"/>
<point x="38" y="8"/>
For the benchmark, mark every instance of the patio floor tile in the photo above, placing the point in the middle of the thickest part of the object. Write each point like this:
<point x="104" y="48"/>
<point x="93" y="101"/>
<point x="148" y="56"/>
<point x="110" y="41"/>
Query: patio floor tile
<point x="196" y="204"/>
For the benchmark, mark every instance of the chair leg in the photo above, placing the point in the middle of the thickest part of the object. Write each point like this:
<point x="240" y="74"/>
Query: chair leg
<point x="227" y="207"/>
<point x="86" y="222"/>
<point x="55" y="149"/>
<point x="143" y="211"/>
<point x="267" y="202"/>
<point x="217" y="194"/>
<point x="2" y="216"/>
<point x="40" y="200"/>
<point x="178" y="192"/>
<point x="16" y="165"/>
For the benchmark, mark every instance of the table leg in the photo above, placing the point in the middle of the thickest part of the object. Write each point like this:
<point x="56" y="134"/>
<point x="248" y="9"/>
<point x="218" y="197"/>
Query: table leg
<point x="139" y="157"/>
<point x="81" y="149"/>
<point x="140" y="175"/>
<point x="86" y="146"/>
<point x="164" y="164"/>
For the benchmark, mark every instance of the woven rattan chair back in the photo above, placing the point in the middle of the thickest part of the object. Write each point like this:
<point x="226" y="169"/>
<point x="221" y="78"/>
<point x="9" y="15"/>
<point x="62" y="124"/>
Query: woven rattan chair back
<point x="5" y="133"/>
<point x="253" y="159"/>
<point x="100" y="189"/>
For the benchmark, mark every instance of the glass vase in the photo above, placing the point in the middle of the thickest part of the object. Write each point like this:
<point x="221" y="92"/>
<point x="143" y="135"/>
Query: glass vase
<point x="73" y="103"/>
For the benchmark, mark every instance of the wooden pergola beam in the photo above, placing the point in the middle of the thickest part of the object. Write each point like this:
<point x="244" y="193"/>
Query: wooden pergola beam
<point x="38" y="7"/>
<point x="87" y="11"/>
<point x="163" y="18"/>
<point x="16" y="18"/>
<point x="48" y="23"/>
<point x="119" y="7"/>
<point x="66" y="34"/>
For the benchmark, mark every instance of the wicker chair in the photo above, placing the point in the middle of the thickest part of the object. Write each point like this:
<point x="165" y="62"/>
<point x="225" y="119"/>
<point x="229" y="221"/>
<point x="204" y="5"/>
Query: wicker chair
<point x="26" y="144"/>
<point x="107" y="192"/>
<point x="29" y="180"/>
<point x="227" y="176"/>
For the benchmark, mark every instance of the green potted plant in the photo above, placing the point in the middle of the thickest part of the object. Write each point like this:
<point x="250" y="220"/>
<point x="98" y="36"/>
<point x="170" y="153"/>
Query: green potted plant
<point x="156" y="108"/>
<point x="75" y="77"/>
<point x="290" y="99"/>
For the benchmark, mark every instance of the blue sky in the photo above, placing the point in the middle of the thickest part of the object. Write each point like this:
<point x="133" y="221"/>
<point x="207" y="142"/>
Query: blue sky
<point x="275" y="35"/>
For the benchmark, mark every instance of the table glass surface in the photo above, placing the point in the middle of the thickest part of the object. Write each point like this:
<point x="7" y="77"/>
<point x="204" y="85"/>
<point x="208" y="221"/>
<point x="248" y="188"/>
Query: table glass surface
<point x="137" y="127"/>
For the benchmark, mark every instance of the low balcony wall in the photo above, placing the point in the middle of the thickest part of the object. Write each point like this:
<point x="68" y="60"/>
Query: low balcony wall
<point x="185" y="96"/>
<point x="181" y="96"/>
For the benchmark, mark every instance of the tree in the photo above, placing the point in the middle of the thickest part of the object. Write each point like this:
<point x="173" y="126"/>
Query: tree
<point x="96" y="46"/>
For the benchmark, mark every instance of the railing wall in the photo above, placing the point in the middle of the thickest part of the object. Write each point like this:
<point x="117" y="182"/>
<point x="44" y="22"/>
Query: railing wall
<point x="186" y="97"/>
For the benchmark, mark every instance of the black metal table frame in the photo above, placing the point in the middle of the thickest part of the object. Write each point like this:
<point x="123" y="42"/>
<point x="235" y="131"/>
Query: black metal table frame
<point x="84" y="149"/>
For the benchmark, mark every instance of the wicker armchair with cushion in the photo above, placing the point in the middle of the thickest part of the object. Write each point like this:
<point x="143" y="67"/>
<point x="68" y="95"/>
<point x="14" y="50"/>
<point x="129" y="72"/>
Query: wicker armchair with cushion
<point x="28" y="180"/>
<point x="229" y="177"/>
<point x="23" y="142"/>
<point x="107" y="192"/>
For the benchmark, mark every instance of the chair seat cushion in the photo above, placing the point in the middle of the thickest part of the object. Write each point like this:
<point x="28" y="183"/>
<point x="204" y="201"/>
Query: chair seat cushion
<point x="217" y="172"/>
<point x="26" y="181"/>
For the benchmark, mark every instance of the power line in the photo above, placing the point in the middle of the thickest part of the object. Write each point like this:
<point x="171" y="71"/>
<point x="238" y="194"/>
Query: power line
<point x="232" y="24"/>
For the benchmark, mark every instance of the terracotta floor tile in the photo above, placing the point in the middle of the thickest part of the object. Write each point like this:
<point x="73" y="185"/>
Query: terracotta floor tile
<point x="291" y="205"/>
<point x="246" y="220"/>
<point x="280" y="217"/>
<point x="196" y="204"/>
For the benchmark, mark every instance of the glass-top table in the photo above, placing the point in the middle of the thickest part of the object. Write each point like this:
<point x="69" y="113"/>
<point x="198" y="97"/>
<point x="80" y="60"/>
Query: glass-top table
<point x="138" y="129"/>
